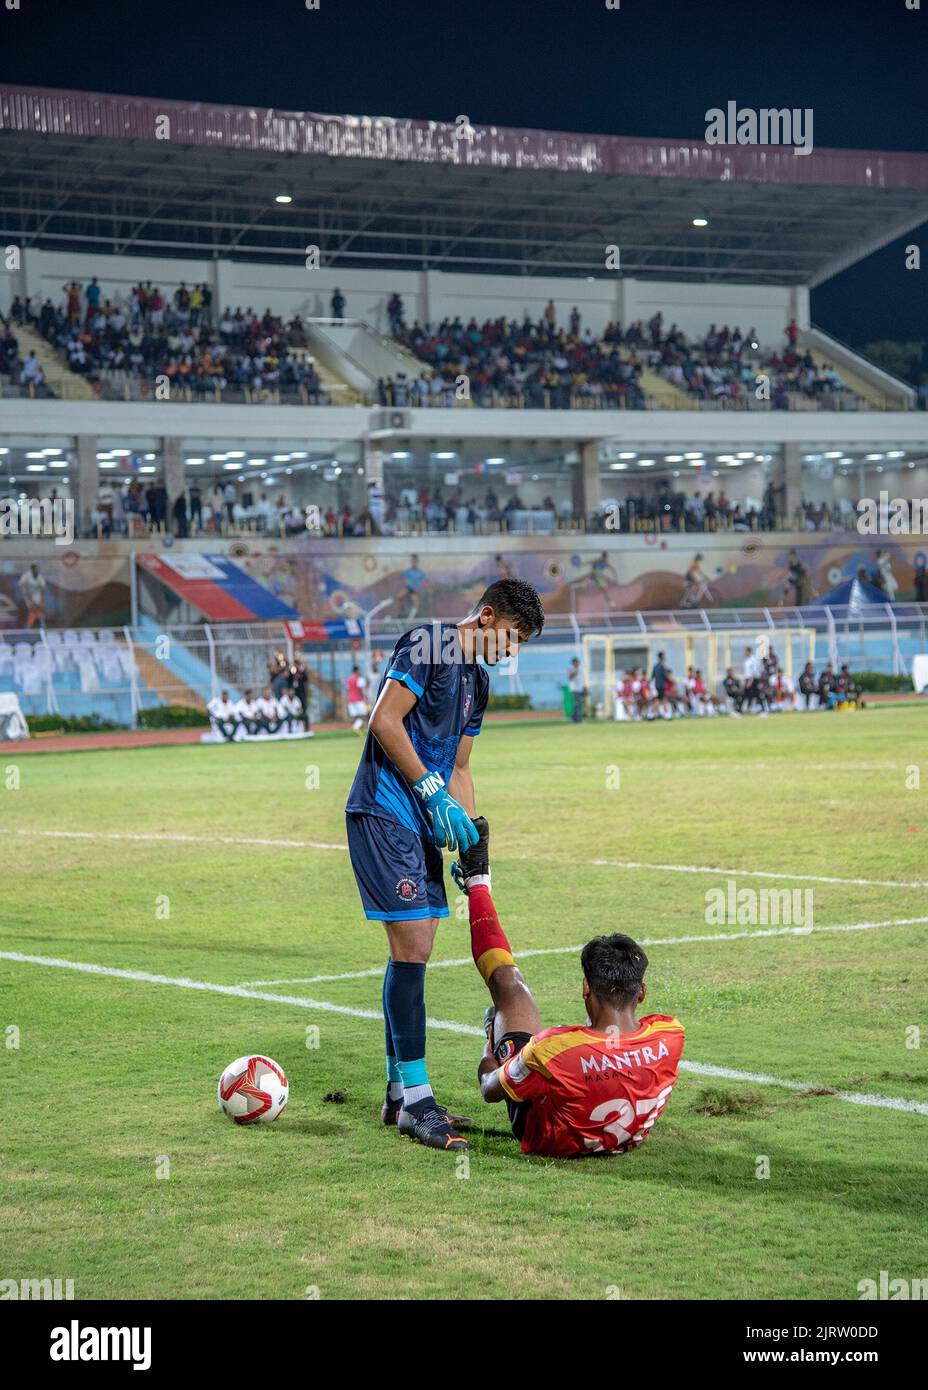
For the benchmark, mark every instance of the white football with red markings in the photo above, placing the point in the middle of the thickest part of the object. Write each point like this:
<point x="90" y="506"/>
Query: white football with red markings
<point x="253" y="1089"/>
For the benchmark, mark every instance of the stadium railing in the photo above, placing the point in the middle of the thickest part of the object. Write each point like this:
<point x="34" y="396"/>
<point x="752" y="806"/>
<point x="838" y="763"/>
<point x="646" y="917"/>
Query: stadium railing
<point x="115" y="673"/>
<point x="138" y="390"/>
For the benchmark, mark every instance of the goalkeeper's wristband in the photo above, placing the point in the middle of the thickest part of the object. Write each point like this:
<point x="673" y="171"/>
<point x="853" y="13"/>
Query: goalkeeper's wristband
<point x="428" y="785"/>
<point x="451" y="825"/>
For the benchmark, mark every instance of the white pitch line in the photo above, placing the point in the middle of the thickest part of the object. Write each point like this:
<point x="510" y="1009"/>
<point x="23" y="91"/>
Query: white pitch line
<point x="157" y="838"/>
<point x="917" y="1107"/>
<point x="569" y="950"/>
<point x="755" y="873"/>
<point x="237" y="991"/>
<point x="246" y="840"/>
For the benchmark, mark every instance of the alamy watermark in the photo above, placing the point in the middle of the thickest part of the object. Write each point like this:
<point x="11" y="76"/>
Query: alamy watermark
<point x="897" y="517"/>
<point x="758" y="907"/>
<point x="764" y="126"/>
<point x="84" y="1343"/>
<point x="36" y="1290"/>
<point x="893" y="1289"/>
<point x="433" y="644"/>
<point x="34" y="516"/>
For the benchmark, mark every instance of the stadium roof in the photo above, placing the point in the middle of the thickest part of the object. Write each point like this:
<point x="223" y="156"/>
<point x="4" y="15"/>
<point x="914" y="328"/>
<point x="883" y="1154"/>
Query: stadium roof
<point x="92" y="172"/>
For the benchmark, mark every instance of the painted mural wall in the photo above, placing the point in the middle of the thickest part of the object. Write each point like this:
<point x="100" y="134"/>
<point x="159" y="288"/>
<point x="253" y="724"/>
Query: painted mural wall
<point x="88" y="585"/>
<point x="586" y="578"/>
<point x="82" y="587"/>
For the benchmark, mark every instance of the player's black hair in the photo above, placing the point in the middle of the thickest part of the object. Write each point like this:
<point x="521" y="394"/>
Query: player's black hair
<point x="513" y="598"/>
<point x="614" y="967"/>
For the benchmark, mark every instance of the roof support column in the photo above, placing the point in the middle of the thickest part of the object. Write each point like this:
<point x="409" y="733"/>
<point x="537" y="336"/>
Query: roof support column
<point x="799" y="305"/>
<point x="586" y="487"/>
<point x="30" y="276"/>
<point x="84" y="490"/>
<point x="367" y="487"/>
<point x="425" y="297"/>
<point x="222" y="285"/>
<point x="628" y="287"/>
<point x="792" y="481"/>
<point x="174" y="480"/>
<point x="620" y="303"/>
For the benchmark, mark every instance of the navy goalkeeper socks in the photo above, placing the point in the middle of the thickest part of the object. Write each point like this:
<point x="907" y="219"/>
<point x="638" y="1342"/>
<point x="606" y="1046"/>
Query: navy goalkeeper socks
<point x="404" y="1007"/>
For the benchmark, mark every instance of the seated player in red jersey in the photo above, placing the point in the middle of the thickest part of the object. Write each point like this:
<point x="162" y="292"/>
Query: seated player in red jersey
<point x="674" y="702"/>
<point x="648" y="702"/>
<point x="593" y="1088"/>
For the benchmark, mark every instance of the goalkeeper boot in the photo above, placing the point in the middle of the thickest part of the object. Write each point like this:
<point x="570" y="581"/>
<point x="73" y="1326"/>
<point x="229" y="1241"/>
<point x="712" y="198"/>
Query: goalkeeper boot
<point x="475" y="860"/>
<point x="390" y="1114"/>
<point x="431" y="1126"/>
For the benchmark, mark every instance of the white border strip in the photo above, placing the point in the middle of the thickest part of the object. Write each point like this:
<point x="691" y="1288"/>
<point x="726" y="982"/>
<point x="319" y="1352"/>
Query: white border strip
<point x="570" y="950"/>
<point x="159" y="838"/>
<point x="245" y="840"/>
<point x="916" y="1107"/>
<point x="236" y="991"/>
<point x="755" y="873"/>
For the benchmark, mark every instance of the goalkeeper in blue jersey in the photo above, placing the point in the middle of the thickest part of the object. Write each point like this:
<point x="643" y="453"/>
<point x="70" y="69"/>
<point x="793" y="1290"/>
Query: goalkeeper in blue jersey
<point x="412" y="796"/>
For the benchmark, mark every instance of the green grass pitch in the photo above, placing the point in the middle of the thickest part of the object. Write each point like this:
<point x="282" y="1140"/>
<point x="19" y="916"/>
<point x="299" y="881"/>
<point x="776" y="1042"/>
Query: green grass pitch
<point x="119" y="1171"/>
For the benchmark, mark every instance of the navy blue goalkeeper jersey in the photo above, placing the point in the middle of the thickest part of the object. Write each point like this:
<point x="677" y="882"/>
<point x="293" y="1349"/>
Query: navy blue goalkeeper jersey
<point x="451" y="700"/>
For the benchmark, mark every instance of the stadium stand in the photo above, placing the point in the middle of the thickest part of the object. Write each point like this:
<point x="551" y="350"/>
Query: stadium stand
<point x="110" y="346"/>
<point x="89" y="346"/>
<point x="619" y="404"/>
<point x="541" y="365"/>
<point x="78" y="672"/>
<point x="82" y="668"/>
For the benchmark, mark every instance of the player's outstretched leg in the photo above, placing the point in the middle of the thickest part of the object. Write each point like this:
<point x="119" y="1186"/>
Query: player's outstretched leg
<point x="513" y="1010"/>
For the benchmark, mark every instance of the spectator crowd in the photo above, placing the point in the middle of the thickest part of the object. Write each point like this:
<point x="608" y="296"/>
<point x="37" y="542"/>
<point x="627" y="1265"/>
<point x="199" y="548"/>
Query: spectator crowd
<point x="729" y="367"/>
<point x="129" y="508"/>
<point x="261" y="717"/>
<point x="173" y="338"/>
<point x="762" y="686"/>
<point x="668" y="508"/>
<point x="281" y="708"/>
<point x="545" y="365"/>
<point x="26" y="371"/>
<point x="530" y="364"/>
<point x="542" y="364"/>
<point x="398" y="511"/>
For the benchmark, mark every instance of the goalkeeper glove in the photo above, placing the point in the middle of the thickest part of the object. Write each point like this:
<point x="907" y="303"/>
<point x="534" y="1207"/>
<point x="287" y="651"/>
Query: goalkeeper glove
<point x="457" y="873"/>
<point x="451" y="825"/>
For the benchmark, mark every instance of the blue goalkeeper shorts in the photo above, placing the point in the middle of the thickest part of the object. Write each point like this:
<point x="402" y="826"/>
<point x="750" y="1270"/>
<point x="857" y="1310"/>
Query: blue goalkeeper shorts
<point x="400" y="876"/>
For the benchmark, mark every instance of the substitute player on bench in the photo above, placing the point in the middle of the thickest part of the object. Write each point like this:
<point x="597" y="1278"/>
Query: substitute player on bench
<point x="414" y="794"/>
<point x="593" y="1088"/>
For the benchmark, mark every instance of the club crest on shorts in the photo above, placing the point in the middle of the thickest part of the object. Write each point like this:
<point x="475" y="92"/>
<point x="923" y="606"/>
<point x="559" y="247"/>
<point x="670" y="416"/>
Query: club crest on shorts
<point x="505" y="1050"/>
<point x="407" y="889"/>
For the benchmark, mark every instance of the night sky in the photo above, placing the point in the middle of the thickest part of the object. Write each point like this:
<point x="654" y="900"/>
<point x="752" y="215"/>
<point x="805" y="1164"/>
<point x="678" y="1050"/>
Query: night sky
<point x="651" y="68"/>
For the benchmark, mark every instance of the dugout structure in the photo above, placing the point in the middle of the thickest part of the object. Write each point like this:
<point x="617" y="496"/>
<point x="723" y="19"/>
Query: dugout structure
<point x="607" y="654"/>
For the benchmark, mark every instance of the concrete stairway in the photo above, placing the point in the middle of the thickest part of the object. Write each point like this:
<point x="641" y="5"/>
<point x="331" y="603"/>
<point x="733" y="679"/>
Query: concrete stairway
<point x="661" y="393"/>
<point x="358" y="353"/>
<point x="877" y="388"/>
<point x="340" y="391"/>
<point x="163" y="681"/>
<point x="66" y="385"/>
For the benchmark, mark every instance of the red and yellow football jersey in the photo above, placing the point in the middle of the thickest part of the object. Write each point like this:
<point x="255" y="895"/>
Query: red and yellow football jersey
<point x="593" y="1092"/>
